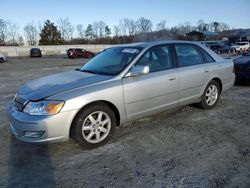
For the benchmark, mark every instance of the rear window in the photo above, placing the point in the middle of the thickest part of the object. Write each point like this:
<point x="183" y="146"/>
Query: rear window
<point x="187" y="55"/>
<point x="242" y="43"/>
<point x="207" y="57"/>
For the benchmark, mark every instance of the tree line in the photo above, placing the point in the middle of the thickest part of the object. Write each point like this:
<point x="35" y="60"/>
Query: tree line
<point x="126" y="31"/>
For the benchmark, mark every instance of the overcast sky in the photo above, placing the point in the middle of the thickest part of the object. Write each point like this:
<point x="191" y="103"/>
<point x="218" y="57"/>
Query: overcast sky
<point x="236" y="13"/>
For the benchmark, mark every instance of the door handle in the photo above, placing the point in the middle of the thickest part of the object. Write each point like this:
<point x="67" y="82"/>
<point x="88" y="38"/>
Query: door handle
<point x="172" y="77"/>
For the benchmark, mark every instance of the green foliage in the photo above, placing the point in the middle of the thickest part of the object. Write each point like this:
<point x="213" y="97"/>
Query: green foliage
<point x="107" y="31"/>
<point x="216" y="25"/>
<point x="50" y="35"/>
<point x="89" y="32"/>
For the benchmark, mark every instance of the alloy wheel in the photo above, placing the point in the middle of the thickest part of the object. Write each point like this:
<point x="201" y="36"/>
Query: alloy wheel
<point x="96" y="127"/>
<point x="211" y="95"/>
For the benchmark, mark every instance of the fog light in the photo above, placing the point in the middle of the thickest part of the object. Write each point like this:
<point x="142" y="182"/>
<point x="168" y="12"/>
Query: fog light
<point x="33" y="134"/>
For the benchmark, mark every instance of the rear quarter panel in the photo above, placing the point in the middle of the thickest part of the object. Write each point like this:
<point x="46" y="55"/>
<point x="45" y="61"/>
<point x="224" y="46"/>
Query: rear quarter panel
<point x="223" y="70"/>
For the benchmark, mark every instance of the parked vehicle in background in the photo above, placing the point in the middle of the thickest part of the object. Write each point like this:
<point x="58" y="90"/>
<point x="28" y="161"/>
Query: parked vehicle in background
<point x="78" y="52"/>
<point x="242" y="67"/>
<point x="244" y="46"/>
<point x="240" y="46"/>
<point x="2" y="58"/>
<point x="222" y="48"/>
<point x="35" y="52"/>
<point x="120" y="84"/>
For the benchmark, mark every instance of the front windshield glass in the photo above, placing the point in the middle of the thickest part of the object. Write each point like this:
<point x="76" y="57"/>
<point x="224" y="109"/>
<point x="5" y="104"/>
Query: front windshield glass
<point x="112" y="61"/>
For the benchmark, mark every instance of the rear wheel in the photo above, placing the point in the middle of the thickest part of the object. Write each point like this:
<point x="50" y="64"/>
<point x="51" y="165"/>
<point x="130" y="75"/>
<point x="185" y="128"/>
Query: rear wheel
<point x="211" y="95"/>
<point x="94" y="126"/>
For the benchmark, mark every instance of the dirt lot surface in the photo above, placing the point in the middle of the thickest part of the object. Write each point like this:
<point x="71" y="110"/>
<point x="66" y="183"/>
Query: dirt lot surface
<point x="187" y="147"/>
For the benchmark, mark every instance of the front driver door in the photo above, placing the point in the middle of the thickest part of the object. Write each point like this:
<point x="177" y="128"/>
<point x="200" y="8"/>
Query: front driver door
<point x="155" y="91"/>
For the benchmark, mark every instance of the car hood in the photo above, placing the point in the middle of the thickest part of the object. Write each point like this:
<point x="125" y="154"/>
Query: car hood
<point x="50" y="85"/>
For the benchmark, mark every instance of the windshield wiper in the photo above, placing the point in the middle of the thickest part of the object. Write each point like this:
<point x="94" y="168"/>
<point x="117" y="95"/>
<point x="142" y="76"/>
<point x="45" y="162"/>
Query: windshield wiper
<point x="88" y="71"/>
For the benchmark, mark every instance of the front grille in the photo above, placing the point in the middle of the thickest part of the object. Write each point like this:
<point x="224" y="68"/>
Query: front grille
<point x="19" y="103"/>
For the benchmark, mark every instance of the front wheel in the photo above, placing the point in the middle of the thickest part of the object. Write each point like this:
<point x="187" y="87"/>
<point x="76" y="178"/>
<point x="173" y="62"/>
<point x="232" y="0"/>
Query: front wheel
<point x="94" y="126"/>
<point x="211" y="95"/>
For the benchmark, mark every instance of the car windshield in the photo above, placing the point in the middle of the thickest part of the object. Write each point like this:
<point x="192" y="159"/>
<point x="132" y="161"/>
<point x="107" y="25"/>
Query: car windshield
<point x="112" y="61"/>
<point x="242" y="43"/>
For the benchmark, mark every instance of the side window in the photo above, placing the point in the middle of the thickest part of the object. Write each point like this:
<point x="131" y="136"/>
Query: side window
<point x="157" y="58"/>
<point x="187" y="55"/>
<point x="207" y="57"/>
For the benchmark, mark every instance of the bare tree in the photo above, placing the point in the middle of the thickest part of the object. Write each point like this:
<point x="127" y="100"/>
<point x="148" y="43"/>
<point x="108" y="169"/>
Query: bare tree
<point x="66" y="29"/>
<point x="30" y="32"/>
<point x="80" y="31"/>
<point x="200" y="25"/>
<point x="144" y="25"/>
<point x="161" y="25"/>
<point x="122" y="27"/>
<point x="20" y="40"/>
<point x="3" y="31"/>
<point x="184" y="28"/>
<point x="40" y="27"/>
<point x="223" y="26"/>
<point x="95" y="27"/>
<point x="130" y="25"/>
<point x="101" y="28"/>
<point x="116" y="31"/>
<point x="13" y="31"/>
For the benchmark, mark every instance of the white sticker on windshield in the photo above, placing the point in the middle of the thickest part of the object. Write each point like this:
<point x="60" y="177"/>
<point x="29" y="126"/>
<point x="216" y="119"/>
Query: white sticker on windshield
<point x="130" y="50"/>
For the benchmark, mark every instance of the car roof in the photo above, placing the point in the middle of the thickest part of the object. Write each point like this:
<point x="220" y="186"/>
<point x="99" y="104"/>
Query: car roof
<point x="149" y="44"/>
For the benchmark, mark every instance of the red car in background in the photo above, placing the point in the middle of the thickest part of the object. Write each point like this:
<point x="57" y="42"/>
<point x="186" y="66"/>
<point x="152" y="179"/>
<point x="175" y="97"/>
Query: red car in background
<point x="78" y="52"/>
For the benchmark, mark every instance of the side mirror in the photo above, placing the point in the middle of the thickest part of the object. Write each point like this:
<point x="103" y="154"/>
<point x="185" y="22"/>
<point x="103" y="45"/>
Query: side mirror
<point x="138" y="70"/>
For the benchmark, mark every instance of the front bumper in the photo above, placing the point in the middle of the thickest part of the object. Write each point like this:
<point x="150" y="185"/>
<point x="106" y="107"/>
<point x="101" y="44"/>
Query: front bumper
<point x="35" y="55"/>
<point x="53" y="128"/>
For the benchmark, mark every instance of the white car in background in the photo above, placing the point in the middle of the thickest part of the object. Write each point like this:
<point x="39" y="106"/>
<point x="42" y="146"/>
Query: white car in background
<point x="241" y="46"/>
<point x="2" y="58"/>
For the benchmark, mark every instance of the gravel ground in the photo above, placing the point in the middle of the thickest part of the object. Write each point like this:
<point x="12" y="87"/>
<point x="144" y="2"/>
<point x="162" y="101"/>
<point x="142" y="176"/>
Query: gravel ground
<point x="184" y="147"/>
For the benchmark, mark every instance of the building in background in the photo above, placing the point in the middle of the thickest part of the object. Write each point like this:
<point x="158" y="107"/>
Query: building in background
<point x="202" y="35"/>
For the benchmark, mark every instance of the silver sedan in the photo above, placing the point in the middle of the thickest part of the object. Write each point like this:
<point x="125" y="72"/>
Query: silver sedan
<point x="120" y="84"/>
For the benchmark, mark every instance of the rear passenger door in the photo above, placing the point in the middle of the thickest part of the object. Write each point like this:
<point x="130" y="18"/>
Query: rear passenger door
<point x="193" y="73"/>
<point x="155" y="91"/>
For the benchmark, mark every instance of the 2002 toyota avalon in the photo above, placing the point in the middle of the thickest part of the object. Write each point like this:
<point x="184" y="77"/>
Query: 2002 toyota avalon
<point x="118" y="85"/>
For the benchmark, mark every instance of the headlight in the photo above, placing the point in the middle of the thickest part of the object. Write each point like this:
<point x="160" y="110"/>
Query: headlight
<point x="43" y="107"/>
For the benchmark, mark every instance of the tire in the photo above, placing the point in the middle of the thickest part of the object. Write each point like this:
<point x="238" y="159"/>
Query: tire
<point x="90" y="122"/>
<point x="211" y="95"/>
<point x="1" y="60"/>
